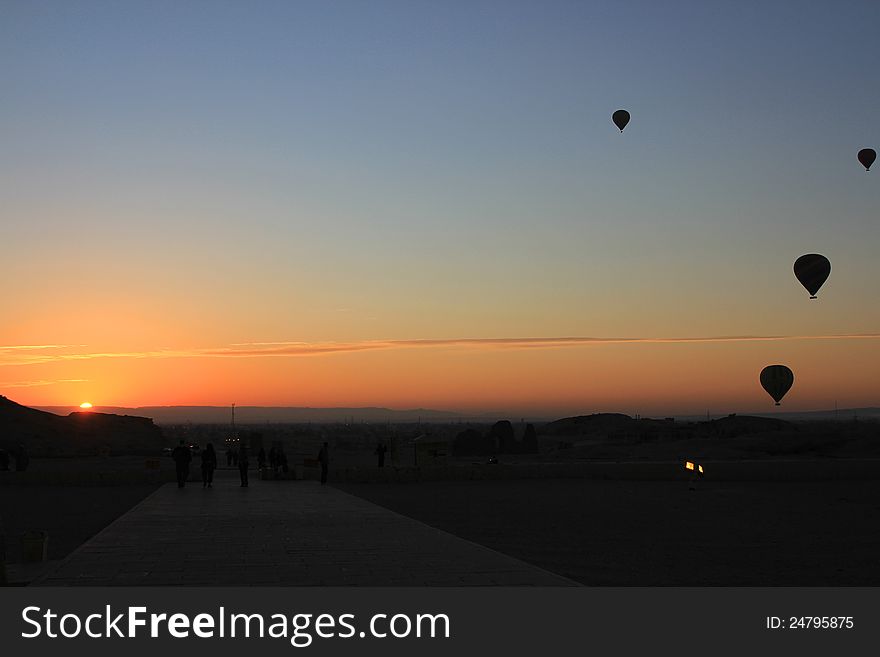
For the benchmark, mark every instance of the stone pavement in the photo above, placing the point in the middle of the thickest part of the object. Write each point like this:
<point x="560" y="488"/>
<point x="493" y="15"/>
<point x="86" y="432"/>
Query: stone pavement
<point x="286" y="533"/>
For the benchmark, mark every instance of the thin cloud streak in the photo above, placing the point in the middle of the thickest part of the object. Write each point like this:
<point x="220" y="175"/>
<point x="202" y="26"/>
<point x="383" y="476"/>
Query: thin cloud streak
<point x="295" y="349"/>
<point x="34" y="384"/>
<point x="38" y="347"/>
<point x="306" y="348"/>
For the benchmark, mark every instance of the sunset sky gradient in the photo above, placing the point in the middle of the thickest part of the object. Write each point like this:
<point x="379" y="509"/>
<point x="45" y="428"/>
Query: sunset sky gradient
<point x="425" y="204"/>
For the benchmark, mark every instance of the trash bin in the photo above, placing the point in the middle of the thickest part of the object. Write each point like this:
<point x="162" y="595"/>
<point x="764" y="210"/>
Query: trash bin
<point x="35" y="546"/>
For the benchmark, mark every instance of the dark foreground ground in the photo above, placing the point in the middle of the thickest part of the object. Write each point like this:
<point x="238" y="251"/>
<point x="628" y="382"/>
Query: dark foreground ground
<point x="595" y="531"/>
<point x="70" y="514"/>
<point x="658" y="533"/>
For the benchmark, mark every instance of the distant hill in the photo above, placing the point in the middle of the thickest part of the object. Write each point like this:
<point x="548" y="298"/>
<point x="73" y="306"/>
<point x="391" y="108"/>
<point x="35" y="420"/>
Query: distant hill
<point x="595" y="418"/>
<point x="263" y="414"/>
<point x="611" y="436"/>
<point x="740" y="425"/>
<point x="45" y="434"/>
<point x="609" y="424"/>
<point x="842" y="414"/>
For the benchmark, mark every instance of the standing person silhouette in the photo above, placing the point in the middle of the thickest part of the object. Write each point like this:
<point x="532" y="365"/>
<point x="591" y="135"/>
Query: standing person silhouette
<point x="21" y="458"/>
<point x="324" y="460"/>
<point x="209" y="463"/>
<point x="380" y="453"/>
<point x="243" y="465"/>
<point x="182" y="458"/>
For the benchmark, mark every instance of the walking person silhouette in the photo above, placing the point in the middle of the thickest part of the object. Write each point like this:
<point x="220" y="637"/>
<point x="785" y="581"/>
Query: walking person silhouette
<point x="380" y="453"/>
<point x="243" y="465"/>
<point x="182" y="458"/>
<point x="324" y="460"/>
<point x="209" y="463"/>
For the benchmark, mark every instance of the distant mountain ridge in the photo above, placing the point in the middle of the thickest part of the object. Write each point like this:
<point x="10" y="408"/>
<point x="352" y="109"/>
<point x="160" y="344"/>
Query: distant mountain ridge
<point x="263" y="414"/>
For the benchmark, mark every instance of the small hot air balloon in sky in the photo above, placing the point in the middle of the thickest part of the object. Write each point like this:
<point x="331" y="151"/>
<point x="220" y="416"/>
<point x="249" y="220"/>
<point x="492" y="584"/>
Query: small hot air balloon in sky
<point x="812" y="271"/>
<point x="866" y="157"/>
<point x="777" y="380"/>
<point x="620" y="118"/>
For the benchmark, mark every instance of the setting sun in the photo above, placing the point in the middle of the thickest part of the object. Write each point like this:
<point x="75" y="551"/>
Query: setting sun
<point x="85" y="405"/>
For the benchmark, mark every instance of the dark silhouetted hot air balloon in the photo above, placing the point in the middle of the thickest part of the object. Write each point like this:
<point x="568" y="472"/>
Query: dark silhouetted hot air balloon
<point x="812" y="271"/>
<point x="866" y="157"/>
<point x="777" y="380"/>
<point x="621" y="118"/>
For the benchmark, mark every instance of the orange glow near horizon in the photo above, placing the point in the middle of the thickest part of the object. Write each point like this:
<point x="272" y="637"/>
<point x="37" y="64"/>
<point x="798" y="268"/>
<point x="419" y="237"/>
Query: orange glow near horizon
<point x="642" y="377"/>
<point x="85" y="406"/>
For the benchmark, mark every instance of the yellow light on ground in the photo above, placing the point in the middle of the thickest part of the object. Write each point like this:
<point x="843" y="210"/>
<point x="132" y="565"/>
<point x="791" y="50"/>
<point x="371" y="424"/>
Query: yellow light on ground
<point x="701" y="468"/>
<point x="689" y="465"/>
<point x="85" y="406"/>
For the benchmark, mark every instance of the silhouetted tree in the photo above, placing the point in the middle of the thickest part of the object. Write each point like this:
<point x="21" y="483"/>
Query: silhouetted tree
<point x="502" y="435"/>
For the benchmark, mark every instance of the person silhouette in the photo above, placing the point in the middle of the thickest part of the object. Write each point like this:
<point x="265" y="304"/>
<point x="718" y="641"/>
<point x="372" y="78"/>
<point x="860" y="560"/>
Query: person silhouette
<point x="324" y="460"/>
<point x="380" y="453"/>
<point x="243" y="465"/>
<point x="22" y="459"/>
<point x="182" y="458"/>
<point x="209" y="463"/>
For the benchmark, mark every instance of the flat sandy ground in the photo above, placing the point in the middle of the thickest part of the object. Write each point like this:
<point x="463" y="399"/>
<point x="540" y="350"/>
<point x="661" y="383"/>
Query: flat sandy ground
<point x="71" y="514"/>
<point x="641" y="533"/>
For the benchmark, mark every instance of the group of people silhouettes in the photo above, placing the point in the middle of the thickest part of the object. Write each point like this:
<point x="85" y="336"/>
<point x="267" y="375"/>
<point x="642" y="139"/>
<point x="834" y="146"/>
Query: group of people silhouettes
<point x="20" y="455"/>
<point x="277" y="461"/>
<point x="183" y="457"/>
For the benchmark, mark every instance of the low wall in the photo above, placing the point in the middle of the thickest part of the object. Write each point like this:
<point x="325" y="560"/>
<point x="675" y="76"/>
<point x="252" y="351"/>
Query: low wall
<point x="818" y="470"/>
<point x="37" y="477"/>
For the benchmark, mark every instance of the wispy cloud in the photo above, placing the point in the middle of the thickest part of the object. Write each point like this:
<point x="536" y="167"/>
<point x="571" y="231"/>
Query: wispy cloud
<point x="39" y="359"/>
<point x="299" y="349"/>
<point x="43" y="382"/>
<point x="38" y="347"/>
<point x="318" y="348"/>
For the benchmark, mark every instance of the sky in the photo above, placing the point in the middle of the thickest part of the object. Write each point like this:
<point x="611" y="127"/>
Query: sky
<point x="426" y="204"/>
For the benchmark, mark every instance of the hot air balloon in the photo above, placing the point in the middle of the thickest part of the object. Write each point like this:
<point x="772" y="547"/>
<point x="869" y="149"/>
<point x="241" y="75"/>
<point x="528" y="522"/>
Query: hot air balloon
<point x="777" y="380"/>
<point x="812" y="271"/>
<point x="866" y="156"/>
<point x="621" y="118"/>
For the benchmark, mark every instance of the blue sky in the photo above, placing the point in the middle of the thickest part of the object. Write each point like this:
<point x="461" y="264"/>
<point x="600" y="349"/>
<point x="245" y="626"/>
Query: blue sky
<point x="444" y="169"/>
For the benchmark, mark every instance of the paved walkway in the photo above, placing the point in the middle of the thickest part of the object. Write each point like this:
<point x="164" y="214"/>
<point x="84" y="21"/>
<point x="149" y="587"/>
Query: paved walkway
<point x="290" y="533"/>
